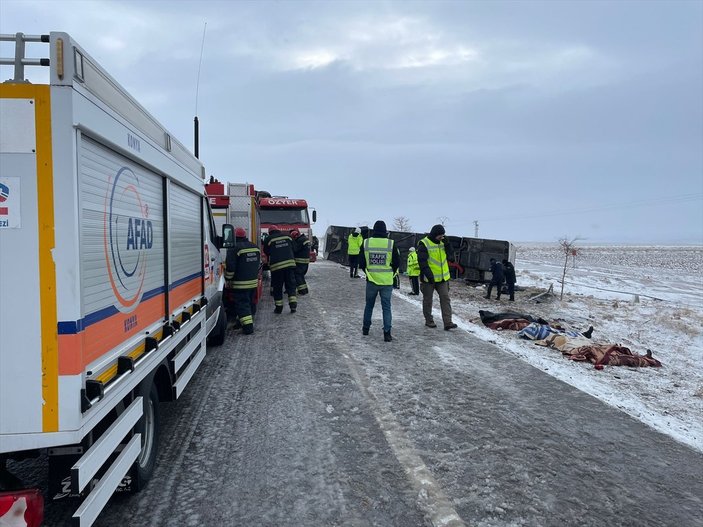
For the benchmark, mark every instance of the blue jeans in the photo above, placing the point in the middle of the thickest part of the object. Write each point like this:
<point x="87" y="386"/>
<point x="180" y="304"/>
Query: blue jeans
<point x="385" y="292"/>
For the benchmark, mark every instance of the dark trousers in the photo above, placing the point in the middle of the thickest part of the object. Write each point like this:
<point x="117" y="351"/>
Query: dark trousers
<point x="498" y="287"/>
<point x="511" y="290"/>
<point x="244" y="306"/>
<point x="415" y="284"/>
<point x="279" y="279"/>
<point x="353" y="265"/>
<point x="445" y="304"/>
<point x="301" y="286"/>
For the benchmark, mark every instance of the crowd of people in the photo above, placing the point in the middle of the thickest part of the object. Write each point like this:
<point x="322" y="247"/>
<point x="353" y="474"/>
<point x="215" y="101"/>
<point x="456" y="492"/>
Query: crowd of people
<point x="288" y="254"/>
<point x="377" y="255"/>
<point x="427" y="268"/>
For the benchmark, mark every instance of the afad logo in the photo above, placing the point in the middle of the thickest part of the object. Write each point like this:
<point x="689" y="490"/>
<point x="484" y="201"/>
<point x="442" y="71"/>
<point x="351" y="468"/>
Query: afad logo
<point x="128" y="235"/>
<point x="4" y="194"/>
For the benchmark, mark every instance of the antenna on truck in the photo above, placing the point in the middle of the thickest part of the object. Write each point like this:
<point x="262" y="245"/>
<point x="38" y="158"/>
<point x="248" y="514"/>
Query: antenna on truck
<point x="196" y="123"/>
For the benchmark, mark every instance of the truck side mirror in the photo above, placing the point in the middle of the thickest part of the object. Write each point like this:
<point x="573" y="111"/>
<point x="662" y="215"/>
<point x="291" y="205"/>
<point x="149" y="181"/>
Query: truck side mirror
<point x="314" y="216"/>
<point x="227" y="236"/>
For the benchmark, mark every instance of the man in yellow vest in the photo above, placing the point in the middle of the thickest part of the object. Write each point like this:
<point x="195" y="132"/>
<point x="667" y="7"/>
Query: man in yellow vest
<point x="433" y="254"/>
<point x="380" y="259"/>
<point x="354" y="242"/>
<point x="413" y="270"/>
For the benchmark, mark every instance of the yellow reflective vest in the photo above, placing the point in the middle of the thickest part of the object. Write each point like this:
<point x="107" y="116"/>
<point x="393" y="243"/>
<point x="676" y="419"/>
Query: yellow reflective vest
<point x="437" y="259"/>
<point x="378" y="253"/>
<point x="354" y="244"/>
<point x="413" y="268"/>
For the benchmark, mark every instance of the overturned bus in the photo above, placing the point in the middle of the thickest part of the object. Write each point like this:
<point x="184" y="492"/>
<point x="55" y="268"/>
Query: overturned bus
<point x="471" y="255"/>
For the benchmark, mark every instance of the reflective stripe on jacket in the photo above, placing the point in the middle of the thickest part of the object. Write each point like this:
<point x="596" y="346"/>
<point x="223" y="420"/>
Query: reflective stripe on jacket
<point x="437" y="259"/>
<point x="354" y="244"/>
<point x="378" y="253"/>
<point x="413" y="268"/>
<point x="279" y="248"/>
<point x="301" y="250"/>
<point x="242" y="266"/>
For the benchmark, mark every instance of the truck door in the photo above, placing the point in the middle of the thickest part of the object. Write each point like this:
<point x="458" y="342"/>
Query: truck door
<point x="213" y="272"/>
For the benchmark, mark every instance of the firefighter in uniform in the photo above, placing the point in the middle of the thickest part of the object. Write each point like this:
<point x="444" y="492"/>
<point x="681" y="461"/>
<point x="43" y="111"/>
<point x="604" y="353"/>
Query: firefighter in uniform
<point x="380" y="259"/>
<point x="432" y="257"/>
<point x="354" y="242"/>
<point x="242" y="278"/>
<point x="301" y="254"/>
<point x="279" y="249"/>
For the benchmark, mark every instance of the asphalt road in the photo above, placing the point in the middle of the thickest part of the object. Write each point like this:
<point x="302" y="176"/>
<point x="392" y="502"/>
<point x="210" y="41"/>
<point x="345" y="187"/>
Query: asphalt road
<point x="307" y="422"/>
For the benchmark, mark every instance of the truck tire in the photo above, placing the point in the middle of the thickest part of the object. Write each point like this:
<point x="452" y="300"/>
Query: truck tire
<point x="148" y="427"/>
<point x="217" y="337"/>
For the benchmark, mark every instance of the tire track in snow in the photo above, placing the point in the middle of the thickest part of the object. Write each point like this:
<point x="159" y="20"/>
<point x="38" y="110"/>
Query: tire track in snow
<point x="430" y="495"/>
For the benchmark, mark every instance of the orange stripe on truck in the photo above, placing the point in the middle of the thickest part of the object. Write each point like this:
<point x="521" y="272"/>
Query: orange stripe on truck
<point x="78" y="350"/>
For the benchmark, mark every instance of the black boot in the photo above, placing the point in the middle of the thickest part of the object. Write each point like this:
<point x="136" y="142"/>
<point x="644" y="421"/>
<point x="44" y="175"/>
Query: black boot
<point x="387" y="336"/>
<point x="364" y="331"/>
<point x="293" y="307"/>
<point x="278" y="310"/>
<point x="248" y="329"/>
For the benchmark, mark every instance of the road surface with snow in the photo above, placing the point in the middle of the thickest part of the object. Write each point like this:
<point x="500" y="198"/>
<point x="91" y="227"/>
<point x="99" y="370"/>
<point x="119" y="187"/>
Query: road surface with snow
<point x="307" y="422"/>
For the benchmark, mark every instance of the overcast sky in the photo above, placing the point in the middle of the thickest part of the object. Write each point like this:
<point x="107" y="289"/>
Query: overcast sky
<point x="539" y="120"/>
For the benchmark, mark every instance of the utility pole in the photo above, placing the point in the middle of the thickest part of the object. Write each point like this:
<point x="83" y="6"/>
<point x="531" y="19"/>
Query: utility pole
<point x="475" y="228"/>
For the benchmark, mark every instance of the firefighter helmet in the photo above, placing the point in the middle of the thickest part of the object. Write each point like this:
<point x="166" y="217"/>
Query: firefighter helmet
<point x="273" y="228"/>
<point x="295" y="233"/>
<point x="240" y="233"/>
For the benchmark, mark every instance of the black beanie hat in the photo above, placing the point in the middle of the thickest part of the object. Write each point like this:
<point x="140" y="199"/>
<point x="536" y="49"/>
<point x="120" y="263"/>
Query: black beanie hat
<point x="436" y="231"/>
<point x="380" y="228"/>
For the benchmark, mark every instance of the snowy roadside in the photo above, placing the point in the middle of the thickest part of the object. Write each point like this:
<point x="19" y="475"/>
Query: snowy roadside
<point x="665" y="317"/>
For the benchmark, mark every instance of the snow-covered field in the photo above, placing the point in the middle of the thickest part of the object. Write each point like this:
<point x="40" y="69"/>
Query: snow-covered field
<point x="640" y="297"/>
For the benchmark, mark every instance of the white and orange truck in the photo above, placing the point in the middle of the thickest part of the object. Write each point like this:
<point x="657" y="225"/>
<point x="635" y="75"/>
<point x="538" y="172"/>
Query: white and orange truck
<point x="110" y="280"/>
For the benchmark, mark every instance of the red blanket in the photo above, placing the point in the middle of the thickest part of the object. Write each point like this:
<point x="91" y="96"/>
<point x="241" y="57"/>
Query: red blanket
<point x="612" y="355"/>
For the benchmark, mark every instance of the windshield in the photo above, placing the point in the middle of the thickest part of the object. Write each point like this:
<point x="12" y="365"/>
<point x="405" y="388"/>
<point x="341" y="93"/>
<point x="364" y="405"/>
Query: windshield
<point x="284" y="216"/>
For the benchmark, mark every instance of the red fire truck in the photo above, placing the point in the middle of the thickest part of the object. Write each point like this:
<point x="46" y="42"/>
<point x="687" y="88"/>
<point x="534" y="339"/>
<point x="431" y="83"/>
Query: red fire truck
<point x="288" y="214"/>
<point x="240" y="205"/>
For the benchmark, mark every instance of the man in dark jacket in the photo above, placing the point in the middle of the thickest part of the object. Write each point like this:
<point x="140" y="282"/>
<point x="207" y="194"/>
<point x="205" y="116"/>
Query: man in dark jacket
<point x="279" y="249"/>
<point x="496" y="278"/>
<point x="301" y="254"/>
<point x="510" y="279"/>
<point x="434" y="253"/>
<point x="379" y="258"/>
<point x="242" y="267"/>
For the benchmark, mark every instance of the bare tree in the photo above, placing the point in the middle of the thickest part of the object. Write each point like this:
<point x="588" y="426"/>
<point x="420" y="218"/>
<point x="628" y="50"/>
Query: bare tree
<point x="568" y="249"/>
<point x="402" y="224"/>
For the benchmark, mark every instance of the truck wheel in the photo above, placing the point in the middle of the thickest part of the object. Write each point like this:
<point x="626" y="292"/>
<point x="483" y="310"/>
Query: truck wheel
<point x="217" y="337"/>
<point x="148" y="427"/>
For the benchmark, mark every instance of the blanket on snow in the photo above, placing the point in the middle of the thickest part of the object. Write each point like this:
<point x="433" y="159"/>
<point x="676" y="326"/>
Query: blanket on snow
<point x="582" y="349"/>
<point x="537" y="331"/>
